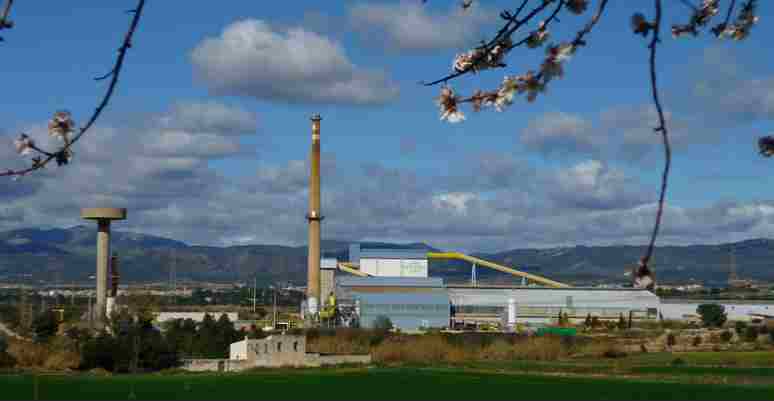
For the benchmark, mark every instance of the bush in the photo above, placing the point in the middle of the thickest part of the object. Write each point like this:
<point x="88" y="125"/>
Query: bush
<point x="712" y="315"/>
<point x="382" y="323"/>
<point x="678" y="362"/>
<point x="751" y="334"/>
<point x="740" y="328"/>
<point x="614" y="353"/>
<point x="671" y="340"/>
<point x="771" y="336"/>
<point x="726" y="336"/>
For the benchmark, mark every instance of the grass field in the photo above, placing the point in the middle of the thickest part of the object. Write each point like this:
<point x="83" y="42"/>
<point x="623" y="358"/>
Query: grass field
<point x="368" y="384"/>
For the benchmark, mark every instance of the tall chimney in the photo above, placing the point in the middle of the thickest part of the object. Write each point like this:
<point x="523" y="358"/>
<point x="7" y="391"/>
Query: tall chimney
<point x="314" y="217"/>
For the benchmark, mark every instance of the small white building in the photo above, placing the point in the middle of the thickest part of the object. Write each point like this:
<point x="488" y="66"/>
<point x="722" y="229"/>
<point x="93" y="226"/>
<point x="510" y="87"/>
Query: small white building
<point x="195" y="316"/>
<point x="271" y="352"/>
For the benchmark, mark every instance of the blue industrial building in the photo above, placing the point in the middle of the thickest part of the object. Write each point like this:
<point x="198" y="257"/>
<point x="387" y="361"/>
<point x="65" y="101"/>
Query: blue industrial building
<point x="410" y="303"/>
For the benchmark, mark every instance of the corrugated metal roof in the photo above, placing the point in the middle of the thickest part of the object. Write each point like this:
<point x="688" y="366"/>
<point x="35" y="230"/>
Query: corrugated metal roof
<point x="432" y="282"/>
<point x="393" y="254"/>
<point x="438" y="297"/>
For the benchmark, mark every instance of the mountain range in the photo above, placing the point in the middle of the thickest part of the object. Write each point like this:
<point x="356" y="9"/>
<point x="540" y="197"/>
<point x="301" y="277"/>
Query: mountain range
<point x="68" y="255"/>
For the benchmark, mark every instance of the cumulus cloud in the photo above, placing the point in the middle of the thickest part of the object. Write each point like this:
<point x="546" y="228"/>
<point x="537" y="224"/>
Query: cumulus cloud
<point x="560" y="132"/>
<point x="725" y="88"/>
<point x="621" y="132"/>
<point x="250" y="58"/>
<point x="412" y="26"/>
<point x="593" y="185"/>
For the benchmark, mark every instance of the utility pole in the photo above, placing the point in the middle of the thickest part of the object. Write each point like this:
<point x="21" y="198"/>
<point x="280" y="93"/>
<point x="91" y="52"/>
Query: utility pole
<point x="274" y="310"/>
<point x="255" y="292"/>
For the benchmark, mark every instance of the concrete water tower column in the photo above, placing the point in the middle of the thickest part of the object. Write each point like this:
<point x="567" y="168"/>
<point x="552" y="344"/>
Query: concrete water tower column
<point x="103" y="216"/>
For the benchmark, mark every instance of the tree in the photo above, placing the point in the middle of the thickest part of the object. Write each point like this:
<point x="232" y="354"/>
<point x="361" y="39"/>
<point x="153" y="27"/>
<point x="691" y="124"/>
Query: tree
<point x="740" y="327"/>
<point x="491" y="54"/>
<point x="382" y="323"/>
<point x="45" y="326"/>
<point x="712" y="315"/>
<point x="6" y="360"/>
<point x="751" y="334"/>
<point x="671" y="340"/>
<point x="621" y="322"/>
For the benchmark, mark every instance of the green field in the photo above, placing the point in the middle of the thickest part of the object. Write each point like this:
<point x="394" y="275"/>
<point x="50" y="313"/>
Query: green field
<point x="369" y="384"/>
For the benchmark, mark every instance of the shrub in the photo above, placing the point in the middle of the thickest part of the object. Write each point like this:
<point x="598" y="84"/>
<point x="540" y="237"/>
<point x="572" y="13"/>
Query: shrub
<point x="771" y="336"/>
<point x="678" y="362"/>
<point x="726" y="336"/>
<point x="614" y="353"/>
<point x="712" y="315"/>
<point x="740" y="328"/>
<point x="697" y="341"/>
<point x="751" y="334"/>
<point x="621" y="322"/>
<point x="382" y="323"/>
<point x="671" y="340"/>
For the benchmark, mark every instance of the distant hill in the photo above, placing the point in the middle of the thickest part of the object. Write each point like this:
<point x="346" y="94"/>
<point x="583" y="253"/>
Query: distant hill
<point x="66" y="255"/>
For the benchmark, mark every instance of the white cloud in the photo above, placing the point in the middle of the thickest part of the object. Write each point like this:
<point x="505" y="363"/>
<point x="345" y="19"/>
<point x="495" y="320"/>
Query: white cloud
<point x="559" y="132"/>
<point x="291" y="65"/>
<point x="411" y="25"/>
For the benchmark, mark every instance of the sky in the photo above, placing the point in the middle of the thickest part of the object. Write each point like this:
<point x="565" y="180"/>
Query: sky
<point x="207" y="137"/>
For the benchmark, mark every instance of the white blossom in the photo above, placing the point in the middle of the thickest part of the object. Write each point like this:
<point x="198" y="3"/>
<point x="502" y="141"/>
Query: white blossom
<point x="538" y="37"/>
<point x="24" y="145"/>
<point x="61" y="125"/>
<point x="447" y="102"/>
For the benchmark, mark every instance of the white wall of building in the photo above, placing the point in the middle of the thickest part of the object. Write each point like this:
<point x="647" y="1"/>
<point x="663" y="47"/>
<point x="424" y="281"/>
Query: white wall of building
<point x="195" y="316"/>
<point x="394" y="267"/>
<point x="238" y="350"/>
<point x="734" y="310"/>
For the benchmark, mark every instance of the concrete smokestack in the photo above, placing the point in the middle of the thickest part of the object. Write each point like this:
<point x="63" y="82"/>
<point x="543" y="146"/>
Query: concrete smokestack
<point x="315" y="218"/>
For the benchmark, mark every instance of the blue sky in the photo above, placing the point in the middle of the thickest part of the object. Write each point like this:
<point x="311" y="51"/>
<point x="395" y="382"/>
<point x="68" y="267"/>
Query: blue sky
<point x="578" y="166"/>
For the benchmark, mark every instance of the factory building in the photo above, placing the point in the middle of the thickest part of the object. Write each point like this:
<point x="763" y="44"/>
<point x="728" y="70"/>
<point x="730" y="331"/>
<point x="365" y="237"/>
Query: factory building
<point x="543" y="305"/>
<point x="396" y="285"/>
<point x="410" y="303"/>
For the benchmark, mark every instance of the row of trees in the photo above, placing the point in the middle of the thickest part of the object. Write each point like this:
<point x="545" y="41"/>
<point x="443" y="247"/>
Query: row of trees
<point x="133" y="343"/>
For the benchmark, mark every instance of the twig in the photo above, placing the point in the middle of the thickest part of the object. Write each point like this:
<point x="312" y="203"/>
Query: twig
<point x="730" y="11"/>
<point x="504" y="32"/>
<point x="578" y="41"/>
<point x="550" y="19"/>
<point x="4" y="23"/>
<point x="662" y="129"/>
<point x="114" y="74"/>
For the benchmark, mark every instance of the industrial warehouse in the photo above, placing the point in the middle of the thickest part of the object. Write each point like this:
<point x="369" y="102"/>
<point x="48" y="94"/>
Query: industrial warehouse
<point x="395" y="284"/>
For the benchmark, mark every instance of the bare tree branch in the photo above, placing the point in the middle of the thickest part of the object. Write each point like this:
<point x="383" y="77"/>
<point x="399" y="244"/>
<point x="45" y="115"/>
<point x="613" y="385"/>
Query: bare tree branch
<point x="5" y="23"/>
<point x="502" y="35"/>
<point x="115" y="73"/>
<point x="662" y="129"/>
